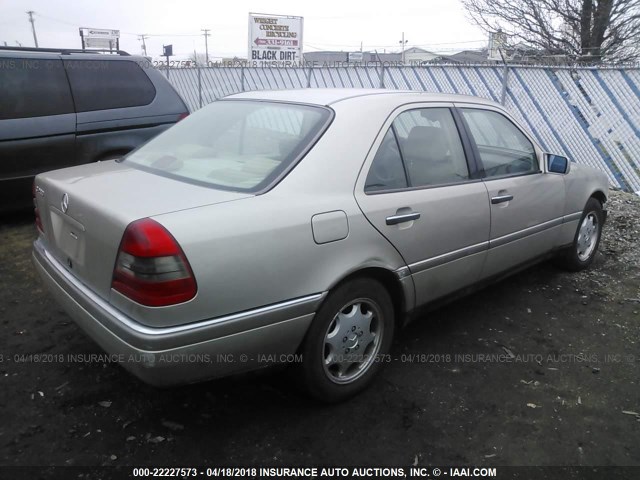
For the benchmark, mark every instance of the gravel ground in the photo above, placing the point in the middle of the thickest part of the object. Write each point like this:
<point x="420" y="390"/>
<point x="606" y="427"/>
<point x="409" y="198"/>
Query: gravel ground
<point x="540" y="369"/>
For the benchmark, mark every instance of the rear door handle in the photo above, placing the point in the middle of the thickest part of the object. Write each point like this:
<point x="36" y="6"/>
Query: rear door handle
<point x="501" y="199"/>
<point x="405" y="217"/>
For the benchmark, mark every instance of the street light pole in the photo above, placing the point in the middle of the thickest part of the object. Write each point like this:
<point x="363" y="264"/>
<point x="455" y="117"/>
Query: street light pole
<point x="206" y="44"/>
<point x="403" y="42"/>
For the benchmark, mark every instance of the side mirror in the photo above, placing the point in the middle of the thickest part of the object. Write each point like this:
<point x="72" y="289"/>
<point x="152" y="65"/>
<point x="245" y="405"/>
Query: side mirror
<point x="557" y="164"/>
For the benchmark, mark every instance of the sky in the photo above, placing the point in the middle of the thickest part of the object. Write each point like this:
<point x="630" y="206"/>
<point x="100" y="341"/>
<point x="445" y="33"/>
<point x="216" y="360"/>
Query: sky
<point x="435" y="25"/>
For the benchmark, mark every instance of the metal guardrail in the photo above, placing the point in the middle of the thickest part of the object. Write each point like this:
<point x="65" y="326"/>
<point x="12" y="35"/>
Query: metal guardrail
<point x="591" y="115"/>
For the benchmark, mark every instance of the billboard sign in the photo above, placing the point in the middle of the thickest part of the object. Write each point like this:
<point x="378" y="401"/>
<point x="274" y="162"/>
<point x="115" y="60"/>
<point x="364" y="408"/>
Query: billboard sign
<point x="99" y="38"/>
<point x="274" y="39"/>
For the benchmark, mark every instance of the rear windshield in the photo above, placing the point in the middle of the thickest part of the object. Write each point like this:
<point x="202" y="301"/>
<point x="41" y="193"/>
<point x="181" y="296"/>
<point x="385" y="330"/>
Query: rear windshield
<point x="234" y="144"/>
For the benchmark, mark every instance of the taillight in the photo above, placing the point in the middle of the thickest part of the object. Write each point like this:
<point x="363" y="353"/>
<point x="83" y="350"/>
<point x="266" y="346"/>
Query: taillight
<point x="183" y="116"/>
<point x="151" y="268"/>
<point x="35" y="209"/>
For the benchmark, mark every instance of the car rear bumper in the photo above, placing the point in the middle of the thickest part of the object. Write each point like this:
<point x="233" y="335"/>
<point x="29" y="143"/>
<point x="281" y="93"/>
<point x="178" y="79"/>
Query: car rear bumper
<point x="187" y="353"/>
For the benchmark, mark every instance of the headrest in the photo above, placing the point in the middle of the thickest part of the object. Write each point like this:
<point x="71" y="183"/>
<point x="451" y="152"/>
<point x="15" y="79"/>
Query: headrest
<point x="428" y="142"/>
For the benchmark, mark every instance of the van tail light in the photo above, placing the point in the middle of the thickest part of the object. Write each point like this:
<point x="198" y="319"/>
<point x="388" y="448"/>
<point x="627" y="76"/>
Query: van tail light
<point x="183" y="116"/>
<point x="151" y="268"/>
<point x="36" y="211"/>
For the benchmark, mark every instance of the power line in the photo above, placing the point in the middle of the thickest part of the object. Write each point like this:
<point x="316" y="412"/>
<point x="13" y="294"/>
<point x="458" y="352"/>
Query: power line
<point x="56" y="19"/>
<point x="311" y="45"/>
<point x="166" y="34"/>
<point x="395" y="46"/>
<point x="48" y="17"/>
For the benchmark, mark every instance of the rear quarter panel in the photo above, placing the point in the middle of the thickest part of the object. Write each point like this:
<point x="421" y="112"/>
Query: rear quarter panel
<point x="260" y="251"/>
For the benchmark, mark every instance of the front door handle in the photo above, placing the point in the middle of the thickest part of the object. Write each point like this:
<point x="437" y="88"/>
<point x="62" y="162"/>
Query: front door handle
<point x="501" y="199"/>
<point x="405" y="217"/>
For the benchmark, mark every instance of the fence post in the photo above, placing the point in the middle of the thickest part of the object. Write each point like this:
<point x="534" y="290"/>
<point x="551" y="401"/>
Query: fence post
<point x="382" y="77"/>
<point x="505" y="83"/>
<point x="199" y="84"/>
<point x="242" y="77"/>
<point x="309" y="77"/>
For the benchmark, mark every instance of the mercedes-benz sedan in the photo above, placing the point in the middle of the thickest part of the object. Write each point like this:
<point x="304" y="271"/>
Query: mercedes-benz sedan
<point x="303" y="225"/>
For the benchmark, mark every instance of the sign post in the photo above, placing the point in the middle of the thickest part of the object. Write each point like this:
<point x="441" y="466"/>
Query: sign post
<point x="167" y="51"/>
<point x="275" y="40"/>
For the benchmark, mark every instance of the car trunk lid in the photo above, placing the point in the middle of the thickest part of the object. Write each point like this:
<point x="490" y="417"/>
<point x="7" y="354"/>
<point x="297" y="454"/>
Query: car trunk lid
<point x="84" y="214"/>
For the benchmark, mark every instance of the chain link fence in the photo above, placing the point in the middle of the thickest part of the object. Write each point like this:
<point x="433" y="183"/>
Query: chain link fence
<point x="591" y="115"/>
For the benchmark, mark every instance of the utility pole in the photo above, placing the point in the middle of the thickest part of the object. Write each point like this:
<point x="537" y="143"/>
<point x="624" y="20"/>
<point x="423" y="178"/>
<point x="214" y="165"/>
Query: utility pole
<point x="206" y="44"/>
<point x="33" y="27"/>
<point x="403" y="42"/>
<point x="143" y="37"/>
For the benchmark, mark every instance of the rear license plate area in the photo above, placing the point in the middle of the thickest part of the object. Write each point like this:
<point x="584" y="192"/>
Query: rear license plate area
<point x="69" y="236"/>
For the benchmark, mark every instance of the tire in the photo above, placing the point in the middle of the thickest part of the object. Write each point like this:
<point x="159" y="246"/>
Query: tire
<point x="585" y="244"/>
<point x="344" y="348"/>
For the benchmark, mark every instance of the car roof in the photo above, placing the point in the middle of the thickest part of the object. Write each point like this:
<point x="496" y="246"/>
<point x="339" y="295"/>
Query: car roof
<point x="329" y="96"/>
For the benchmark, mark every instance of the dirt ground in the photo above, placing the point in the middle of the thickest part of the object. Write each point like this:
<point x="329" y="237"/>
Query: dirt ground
<point x="540" y="369"/>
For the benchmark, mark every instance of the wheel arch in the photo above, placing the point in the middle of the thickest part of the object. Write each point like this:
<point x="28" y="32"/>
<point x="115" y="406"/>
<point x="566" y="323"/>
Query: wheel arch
<point x="600" y="196"/>
<point x="391" y="282"/>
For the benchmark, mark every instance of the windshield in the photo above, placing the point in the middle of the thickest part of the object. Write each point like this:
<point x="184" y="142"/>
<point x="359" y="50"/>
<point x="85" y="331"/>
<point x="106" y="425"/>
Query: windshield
<point x="234" y="144"/>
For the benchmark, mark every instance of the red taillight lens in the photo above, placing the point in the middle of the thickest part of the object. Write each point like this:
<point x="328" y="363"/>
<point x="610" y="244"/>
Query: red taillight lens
<point x="183" y="116"/>
<point x="35" y="209"/>
<point x="151" y="268"/>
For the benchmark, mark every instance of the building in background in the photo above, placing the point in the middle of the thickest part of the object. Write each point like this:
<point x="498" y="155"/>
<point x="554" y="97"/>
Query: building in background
<point x="413" y="56"/>
<point x="416" y="55"/>
<point x="331" y="58"/>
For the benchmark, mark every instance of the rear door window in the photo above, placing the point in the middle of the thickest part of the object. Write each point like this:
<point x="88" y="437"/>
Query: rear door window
<point x="108" y="84"/>
<point x="431" y="147"/>
<point x="33" y="88"/>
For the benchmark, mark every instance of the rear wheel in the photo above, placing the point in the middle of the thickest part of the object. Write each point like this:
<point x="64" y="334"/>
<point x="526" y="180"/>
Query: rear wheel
<point x="587" y="238"/>
<point x="342" y="350"/>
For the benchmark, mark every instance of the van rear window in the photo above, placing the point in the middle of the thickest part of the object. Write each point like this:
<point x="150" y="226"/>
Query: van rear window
<point x="108" y="84"/>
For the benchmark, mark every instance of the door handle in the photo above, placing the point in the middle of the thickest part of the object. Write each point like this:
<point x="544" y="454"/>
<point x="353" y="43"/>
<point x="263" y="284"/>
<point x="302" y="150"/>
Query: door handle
<point x="501" y="199"/>
<point x="405" y="217"/>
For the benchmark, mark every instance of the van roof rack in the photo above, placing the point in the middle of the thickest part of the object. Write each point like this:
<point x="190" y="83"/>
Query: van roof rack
<point x="62" y="51"/>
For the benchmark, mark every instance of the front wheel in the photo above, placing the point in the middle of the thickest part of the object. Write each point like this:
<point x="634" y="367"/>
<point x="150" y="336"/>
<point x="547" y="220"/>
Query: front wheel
<point x="587" y="238"/>
<point x="349" y="335"/>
